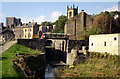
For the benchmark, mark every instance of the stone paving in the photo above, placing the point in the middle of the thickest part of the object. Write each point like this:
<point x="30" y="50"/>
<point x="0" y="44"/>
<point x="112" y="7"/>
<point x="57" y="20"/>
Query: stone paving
<point x="6" y="46"/>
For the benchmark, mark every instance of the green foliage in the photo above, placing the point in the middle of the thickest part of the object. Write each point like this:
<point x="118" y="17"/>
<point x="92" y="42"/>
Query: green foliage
<point x="31" y="62"/>
<point x="103" y="23"/>
<point x="94" y="30"/>
<point x="8" y="56"/>
<point x="60" y="23"/>
<point x="111" y="14"/>
<point x="46" y="23"/>
<point x="97" y="65"/>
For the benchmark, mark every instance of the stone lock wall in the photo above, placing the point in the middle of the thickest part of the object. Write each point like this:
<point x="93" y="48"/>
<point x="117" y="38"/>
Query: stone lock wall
<point x="71" y="57"/>
<point x="38" y="44"/>
<point x="74" y="48"/>
<point x="59" y="45"/>
<point x="76" y="44"/>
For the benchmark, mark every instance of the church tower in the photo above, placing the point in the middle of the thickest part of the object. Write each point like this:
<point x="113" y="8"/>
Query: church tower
<point x="71" y="12"/>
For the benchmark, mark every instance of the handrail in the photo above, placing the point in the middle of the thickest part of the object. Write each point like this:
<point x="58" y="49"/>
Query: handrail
<point x="55" y="35"/>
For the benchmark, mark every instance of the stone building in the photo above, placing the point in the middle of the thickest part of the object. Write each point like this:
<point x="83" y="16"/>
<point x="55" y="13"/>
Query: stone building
<point x="26" y="30"/>
<point x="102" y="43"/>
<point x="45" y="29"/>
<point x="76" y="23"/>
<point x="6" y="35"/>
<point x="1" y="27"/>
<point x="11" y="22"/>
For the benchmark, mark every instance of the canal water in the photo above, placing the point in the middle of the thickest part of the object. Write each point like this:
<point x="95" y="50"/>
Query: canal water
<point x="53" y="57"/>
<point x="51" y="72"/>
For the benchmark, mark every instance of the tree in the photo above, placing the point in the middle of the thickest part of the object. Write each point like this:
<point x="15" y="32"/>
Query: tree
<point x="60" y="23"/>
<point x="103" y="23"/>
<point x="46" y="23"/>
<point x="42" y="24"/>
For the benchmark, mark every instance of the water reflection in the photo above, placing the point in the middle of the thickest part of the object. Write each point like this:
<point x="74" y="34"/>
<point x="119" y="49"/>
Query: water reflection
<point x="49" y="72"/>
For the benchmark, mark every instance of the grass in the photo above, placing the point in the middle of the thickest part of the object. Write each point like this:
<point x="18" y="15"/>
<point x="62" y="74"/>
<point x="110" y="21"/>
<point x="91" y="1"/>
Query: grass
<point x="94" y="67"/>
<point x="48" y="46"/>
<point x="8" y="69"/>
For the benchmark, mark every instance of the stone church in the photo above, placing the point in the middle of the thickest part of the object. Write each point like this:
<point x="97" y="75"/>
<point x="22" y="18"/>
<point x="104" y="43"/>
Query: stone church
<point x="77" y="23"/>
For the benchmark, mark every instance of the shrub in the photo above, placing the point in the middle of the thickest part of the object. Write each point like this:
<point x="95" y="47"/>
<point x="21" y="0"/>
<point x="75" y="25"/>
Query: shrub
<point x="101" y="55"/>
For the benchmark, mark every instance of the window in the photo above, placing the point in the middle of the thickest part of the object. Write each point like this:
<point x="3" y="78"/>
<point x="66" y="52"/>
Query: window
<point x="29" y="35"/>
<point x="30" y="29"/>
<point x="20" y="30"/>
<point x="91" y="44"/>
<point x="25" y="30"/>
<point x="19" y="35"/>
<point x="115" y="38"/>
<point x="104" y="43"/>
<point x="70" y="14"/>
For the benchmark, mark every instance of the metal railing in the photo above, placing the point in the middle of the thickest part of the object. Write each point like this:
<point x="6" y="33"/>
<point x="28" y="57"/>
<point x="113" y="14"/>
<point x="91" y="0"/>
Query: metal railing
<point x="55" y="35"/>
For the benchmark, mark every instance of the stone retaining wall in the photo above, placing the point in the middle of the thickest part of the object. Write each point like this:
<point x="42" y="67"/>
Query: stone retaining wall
<point x="38" y="44"/>
<point x="76" y="44"/>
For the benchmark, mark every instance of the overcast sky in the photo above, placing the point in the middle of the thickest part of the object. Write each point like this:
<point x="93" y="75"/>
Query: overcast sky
<point x="49" y="11"/>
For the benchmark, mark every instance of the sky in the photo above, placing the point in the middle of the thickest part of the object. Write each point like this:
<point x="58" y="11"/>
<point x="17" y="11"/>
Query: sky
<point x="49" y="11"/>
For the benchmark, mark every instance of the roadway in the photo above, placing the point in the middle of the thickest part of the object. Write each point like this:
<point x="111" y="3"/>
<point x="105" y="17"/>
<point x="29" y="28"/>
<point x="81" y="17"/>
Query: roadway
<point x="6" y="46"/>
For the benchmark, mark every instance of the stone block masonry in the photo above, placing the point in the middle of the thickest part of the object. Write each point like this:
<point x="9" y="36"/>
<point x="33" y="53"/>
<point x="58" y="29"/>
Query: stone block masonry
<point x="76" y="44"/>
<point x="38" y="44"/>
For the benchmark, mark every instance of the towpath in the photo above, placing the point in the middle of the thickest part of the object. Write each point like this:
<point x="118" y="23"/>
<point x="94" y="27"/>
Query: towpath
<point x="6" y="46"/>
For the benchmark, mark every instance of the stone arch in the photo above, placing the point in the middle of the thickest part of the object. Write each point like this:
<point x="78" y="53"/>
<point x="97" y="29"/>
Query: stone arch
<point x="48" y="42"/>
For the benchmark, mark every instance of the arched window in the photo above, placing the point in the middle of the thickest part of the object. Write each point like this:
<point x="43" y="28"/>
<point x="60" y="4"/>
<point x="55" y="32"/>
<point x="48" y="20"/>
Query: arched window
<point x="70" y="13"/>
<point x="91" y="44"/>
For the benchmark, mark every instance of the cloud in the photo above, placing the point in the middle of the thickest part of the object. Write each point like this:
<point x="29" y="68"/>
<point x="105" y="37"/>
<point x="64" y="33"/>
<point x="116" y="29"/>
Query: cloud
<point x="114" y="8"/>
<point x="25" y="19"/>
<point x="54" y="16"/>
<point x="1" y="15"/>
<point x="39" y="19"/>
<point x="51" y="17"/>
